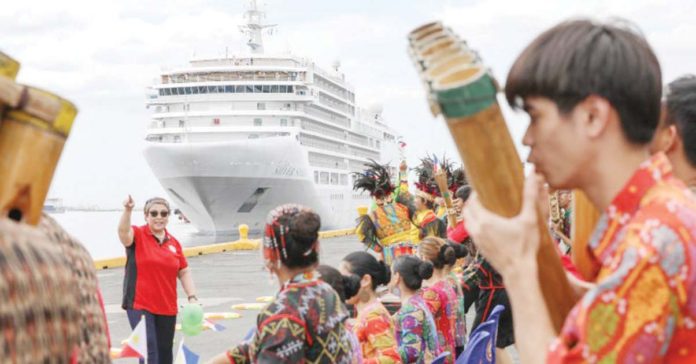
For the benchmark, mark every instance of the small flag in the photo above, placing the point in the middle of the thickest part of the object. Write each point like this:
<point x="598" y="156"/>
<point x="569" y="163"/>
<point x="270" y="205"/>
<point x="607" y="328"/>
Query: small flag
<point x="436" y="164"/>
<point x="185" y="356"/>
<point x="212" y="325"/>
<point x="402" y="145"/>
<point x="136" y="344"/>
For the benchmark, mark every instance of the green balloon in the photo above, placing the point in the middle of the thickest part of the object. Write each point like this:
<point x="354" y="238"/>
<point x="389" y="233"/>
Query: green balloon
<point x="192" y="319"/>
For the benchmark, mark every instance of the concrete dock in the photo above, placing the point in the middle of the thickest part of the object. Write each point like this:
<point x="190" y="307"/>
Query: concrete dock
<point x="221" y="280"/>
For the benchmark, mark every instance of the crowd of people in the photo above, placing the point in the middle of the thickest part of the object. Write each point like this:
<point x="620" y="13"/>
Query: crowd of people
<point x="600" y="124"/>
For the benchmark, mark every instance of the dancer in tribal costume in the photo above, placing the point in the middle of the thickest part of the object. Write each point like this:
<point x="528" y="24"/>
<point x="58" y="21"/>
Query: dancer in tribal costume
<point x="427" y="190"/>
<point x="306" y="321"/>
<point x="373" y="326"/>
<point x="388" y="228"/>
<point x="438" y="293"/>
<point x="416" y="332"/>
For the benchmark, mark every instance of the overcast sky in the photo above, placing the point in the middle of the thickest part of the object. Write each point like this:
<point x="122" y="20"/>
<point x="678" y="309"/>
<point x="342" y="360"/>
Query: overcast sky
<point x="103" y="54"/>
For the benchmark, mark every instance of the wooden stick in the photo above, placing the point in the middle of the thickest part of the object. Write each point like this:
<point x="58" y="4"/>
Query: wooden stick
<point x="441" y="180"/>
<point x="585" y="217"/>
<point x="467" y="99"/>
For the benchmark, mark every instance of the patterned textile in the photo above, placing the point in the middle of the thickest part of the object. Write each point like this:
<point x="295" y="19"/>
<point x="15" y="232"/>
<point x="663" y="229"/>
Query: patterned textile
<point x="460" y="322"/>
<point x="39" y="300"/>
<point x="94" y="338"/>
<point x="442" y="302"/>
<point x="643" y="309"/>
<point x="374" y="329"/>
<point x="429" y="224"/>
<point x="416" y="333"/>
<point x="305" y="323"/>
<point x="388" y="229"/>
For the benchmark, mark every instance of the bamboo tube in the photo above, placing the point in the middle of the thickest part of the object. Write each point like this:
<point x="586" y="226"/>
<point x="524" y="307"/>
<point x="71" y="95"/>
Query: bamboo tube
<point x="467" y="99"/>
<point x="424" y="31"/>
<point x="30" y="147"/>
<point x="8" y="71"/>
<point x="585" y="217"/>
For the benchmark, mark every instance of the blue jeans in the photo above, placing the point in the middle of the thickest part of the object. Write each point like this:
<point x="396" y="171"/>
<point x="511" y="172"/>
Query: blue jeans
<point x="160" y="335"/>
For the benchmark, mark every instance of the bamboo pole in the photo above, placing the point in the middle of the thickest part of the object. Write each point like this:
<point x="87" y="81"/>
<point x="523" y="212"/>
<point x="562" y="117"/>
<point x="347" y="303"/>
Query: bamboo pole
<point x="31" y="141"/>
<point x="466" y="96"/>
<point x="441" y="180"/>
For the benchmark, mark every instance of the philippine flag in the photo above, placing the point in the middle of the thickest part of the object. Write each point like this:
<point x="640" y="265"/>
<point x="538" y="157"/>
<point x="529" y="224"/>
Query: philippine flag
<point x="212" y="325"/>
<point x="185" y="356"/>
<point x="136" y="344"/>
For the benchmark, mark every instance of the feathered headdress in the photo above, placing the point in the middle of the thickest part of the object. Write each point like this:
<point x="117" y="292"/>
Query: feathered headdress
<point x="375" y="179"/>
<point x="425" y="178"/>
<point x="275" y="243"/>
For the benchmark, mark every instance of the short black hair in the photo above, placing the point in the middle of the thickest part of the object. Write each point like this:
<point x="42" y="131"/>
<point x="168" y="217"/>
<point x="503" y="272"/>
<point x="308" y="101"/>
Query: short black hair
<point x="579" y="58"/>
<point x="463" y="193"/>
<point x="345" y="286"/>
<point x="680" y="102"/>
<point x="362" y="263"/>
<point x="412" y="270"/>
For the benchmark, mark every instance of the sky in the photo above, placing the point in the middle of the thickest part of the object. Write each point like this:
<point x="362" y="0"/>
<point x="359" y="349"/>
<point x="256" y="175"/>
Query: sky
<point x="102" y="55"/>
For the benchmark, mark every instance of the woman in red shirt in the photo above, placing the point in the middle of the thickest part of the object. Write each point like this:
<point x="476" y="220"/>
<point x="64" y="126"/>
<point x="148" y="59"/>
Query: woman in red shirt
<point x="154" y="260"/>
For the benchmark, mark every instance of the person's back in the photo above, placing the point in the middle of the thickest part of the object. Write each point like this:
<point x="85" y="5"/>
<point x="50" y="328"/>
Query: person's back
<point x="40" y="310"/>
<point x="308" y="306"/>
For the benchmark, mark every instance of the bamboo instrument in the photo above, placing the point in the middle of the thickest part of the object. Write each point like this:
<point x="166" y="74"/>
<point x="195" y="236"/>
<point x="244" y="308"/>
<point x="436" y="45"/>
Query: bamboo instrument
<point x="441" y="180"/>
<point x="8" y="71"/>
<point x="585" y="217"/>
<point x="467" y="99"/>
<point x="32" y="136"/>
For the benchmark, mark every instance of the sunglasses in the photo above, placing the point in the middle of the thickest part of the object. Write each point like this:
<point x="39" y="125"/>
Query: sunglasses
<point x="162" y="213"/>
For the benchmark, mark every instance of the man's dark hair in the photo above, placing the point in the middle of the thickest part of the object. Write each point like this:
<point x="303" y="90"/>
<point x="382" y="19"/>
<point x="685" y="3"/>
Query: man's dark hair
<point x="681" y="111"/>
<point x="579" y="58"/>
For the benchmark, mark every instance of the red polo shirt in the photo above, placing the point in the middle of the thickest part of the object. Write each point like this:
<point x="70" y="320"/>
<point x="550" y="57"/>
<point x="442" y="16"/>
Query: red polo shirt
<point x="152" y="268"/>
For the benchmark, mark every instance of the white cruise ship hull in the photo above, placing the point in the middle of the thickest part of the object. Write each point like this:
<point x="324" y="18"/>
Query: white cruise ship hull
<point x="220" y="185"/>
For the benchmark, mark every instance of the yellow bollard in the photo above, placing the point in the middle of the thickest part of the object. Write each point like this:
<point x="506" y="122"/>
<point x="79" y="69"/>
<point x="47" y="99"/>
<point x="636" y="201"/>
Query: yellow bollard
<point x="243" y="232"/>
<point x="362" y="210"/>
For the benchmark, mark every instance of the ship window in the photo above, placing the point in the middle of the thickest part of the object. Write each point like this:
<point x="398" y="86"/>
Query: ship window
<point x="274" y="88"/>
<point x="260" y="106"/>
<point x="266" y="89"/>
<point x="316" y="176"/>
<point x="194" y="90"/>
<point x="167" y="92"/>
<point x="182" y="123"/>
<point x="212" y="89"/>
<point x="177" y="139"/>
<point x="229" y="89"/>
<point x="258" y="122"/>
<point x="282" y="88"/>
<point x="283" y="122"/>
<point x="182" y="91"/>
<point x="334" y="178"/>
<point x="221" y="89"/>
<point x="188" y="90"/>
<point x="239" y="89"/>
<point x="249" y="89"/>
<point x="202" y="90"/>
<point x="324" y="178"/>
<point x="290" y="89"/>
<point x="161" y="92"/>
<point x="377" y="144"/>
<point x="174" y="91"/>
<point x="344" y="179"/>
<point x="257" y="88"/>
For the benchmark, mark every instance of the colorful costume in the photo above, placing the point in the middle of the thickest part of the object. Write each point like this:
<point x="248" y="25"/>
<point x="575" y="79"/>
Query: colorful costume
<point x="304" y="324"/>
<point x="374" y="329"/>
<point x="442" y="303"/>
<point x="643" y="308"/>
<point x="460" y="323"/>
<point x="388" y="228"/>
<point x="416" y="333"/>
<point x="427" y="190"/>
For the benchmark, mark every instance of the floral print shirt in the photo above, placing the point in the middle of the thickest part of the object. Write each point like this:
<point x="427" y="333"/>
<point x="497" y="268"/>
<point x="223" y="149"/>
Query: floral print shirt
<point x="416" y="333"/>
<point x="442" y="302"/>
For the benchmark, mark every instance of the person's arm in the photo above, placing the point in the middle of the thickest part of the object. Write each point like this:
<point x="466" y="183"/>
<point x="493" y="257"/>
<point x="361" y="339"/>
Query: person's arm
<point x="125" y="231"/>
<point x="511" y="246"/>
<point x="186" y="278"/>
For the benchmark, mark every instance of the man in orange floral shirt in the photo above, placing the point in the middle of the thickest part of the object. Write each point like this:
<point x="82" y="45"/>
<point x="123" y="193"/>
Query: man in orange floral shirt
<point x="592" y="92"/>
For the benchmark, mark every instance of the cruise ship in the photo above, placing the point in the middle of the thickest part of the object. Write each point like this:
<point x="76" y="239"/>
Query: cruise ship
<point x="230" y="138"/>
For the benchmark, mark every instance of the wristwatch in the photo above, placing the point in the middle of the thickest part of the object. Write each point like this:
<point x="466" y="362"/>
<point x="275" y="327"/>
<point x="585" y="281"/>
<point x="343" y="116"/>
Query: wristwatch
<point x="193" y="296"/>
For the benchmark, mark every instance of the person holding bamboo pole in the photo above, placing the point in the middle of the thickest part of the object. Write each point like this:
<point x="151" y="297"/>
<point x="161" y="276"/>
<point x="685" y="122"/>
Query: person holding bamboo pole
<point x="592" y="91"/>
